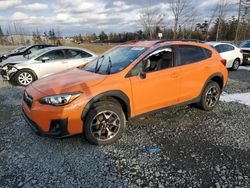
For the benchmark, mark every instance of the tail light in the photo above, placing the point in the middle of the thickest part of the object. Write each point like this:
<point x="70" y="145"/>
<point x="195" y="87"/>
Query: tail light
<point x="224" y="62"/>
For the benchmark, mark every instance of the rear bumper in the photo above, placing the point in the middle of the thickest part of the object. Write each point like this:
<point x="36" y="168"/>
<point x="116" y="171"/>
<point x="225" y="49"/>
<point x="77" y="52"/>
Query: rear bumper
<point x="58" y="128"/>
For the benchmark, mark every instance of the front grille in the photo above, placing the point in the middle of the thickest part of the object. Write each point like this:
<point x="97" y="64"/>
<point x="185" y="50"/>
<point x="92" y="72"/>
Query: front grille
<point x="27" y="99"/>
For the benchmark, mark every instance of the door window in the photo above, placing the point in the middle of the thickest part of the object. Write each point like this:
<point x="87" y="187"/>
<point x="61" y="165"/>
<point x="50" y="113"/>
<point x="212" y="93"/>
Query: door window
<point x="157" y="60"/>
<point x="76" y="54"/>
<point x="53" y="55"/>
<point x="188" y="54"/>
<point x="228" y="48"/>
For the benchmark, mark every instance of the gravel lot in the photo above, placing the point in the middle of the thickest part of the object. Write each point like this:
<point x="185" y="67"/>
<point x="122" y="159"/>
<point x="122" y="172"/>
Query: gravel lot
<point x="198" y="149"/>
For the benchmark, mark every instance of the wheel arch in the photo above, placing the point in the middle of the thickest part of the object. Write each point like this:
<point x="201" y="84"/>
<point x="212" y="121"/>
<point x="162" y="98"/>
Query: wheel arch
<point x="27" y="69"/>
<point x="113" y="95"/>
<point x="216" y="77"/>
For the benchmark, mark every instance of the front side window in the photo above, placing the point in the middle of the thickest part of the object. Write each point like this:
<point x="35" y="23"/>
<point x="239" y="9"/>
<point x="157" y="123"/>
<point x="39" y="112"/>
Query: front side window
<point x="157" y="60"/>
<point x="115" y="60"/>
<point x="188" y="54"/>
<point x="53" y="55"/>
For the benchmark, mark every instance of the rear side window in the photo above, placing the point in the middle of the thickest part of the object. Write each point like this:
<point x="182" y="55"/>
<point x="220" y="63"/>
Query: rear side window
<point x="76" y="54"/>
<point x="188" y="54"/>
<point x="228" y="48"/>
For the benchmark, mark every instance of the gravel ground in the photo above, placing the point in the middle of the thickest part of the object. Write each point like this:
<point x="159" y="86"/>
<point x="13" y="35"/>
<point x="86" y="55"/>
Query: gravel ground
<point x="198" y="149"/>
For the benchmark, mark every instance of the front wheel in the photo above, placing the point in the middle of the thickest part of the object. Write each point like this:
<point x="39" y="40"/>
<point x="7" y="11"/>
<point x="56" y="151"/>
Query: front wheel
<point x="210" y="96"/>
<point x="24" y="77"/>
<point x="105" y="123"/>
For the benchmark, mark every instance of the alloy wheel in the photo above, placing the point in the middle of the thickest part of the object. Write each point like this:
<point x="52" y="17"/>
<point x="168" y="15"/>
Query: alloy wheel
<point x="212" y="96"/>
<point x="25" y="78"/>
<point x="105" y="125"/>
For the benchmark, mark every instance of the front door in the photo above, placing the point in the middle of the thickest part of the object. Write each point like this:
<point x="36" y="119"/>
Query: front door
<point x="55" y="62"/>
<point x="160" y="85"/>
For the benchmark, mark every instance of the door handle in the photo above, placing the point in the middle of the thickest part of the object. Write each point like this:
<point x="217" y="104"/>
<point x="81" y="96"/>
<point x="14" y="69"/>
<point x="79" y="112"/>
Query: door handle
<point x="65" y="62"/>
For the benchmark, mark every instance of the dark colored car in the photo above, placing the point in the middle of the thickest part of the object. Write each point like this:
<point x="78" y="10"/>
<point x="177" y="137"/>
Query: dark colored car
<point x="245" y="47"/>
<point x="24" y="50"/>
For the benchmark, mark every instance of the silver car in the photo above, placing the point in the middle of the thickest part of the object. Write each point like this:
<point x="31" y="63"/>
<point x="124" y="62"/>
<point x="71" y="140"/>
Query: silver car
<point x="25" y="69"/>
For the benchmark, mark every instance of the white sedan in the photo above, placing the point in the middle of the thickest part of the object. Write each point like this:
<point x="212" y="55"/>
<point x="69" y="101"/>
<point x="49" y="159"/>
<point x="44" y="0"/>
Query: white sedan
<point x="229" y="52"/>
<point x="23" y="70"/>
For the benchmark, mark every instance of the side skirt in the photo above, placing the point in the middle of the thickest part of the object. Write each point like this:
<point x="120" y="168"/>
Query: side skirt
<point x="167" y="107"/>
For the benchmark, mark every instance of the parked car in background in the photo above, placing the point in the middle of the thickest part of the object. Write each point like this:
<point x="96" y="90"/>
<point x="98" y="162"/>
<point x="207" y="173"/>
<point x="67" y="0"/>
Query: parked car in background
<point x="4" y="55"/>
<point x="232" y="54"/>
<point x="97" y="99"/>
<point x="25" y="69"/>
<point x="24" y="50"/>
<point x="245" y="47"/>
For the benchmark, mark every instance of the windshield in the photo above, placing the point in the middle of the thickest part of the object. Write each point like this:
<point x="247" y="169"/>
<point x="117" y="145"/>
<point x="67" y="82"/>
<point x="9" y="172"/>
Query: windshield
<point x="19" y="48"/>
<point x="36" y="53"/>
<point x="245" y="44"/>
<point x="115" y="60"/>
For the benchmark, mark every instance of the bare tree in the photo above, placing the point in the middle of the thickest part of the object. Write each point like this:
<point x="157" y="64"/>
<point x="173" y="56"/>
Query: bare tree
<point x="181" y="10"/>
<point x="243" y="6"/>
<point x="150" y="19"/>
<point x="222" y="8"/>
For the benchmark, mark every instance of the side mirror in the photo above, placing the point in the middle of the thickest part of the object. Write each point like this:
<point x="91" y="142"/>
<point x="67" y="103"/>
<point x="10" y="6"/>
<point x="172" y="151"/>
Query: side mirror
<point x="28" y="52"/>
<point x="44" y="59"/>
<point x="145" y="66"/>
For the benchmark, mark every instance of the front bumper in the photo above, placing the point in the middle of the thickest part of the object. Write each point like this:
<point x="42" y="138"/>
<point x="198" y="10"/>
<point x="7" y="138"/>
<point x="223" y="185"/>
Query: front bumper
<point x="6" y="75"/>
<point x="58" y="128"/>
<point x="246" y="57"/>
<point x="52" y="121"/>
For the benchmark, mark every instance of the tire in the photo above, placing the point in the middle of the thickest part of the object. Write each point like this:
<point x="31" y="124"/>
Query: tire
<point x="105" y="117"/>
<point x="235" y="65"/>
<point x="210" y="96"/>
<point x="24" y="77"/>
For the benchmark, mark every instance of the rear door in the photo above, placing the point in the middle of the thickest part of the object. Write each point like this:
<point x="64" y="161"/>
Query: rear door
<point x="160" y="87"/>
<point x="193" y="61"/>
<point x="56" y="62"/>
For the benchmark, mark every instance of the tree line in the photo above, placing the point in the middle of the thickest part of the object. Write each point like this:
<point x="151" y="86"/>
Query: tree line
<point x="184" y="24"/>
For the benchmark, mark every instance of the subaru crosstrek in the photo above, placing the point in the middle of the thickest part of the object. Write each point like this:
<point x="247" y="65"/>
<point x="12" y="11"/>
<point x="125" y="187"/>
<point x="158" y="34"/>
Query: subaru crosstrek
<point x="98" y="98"/>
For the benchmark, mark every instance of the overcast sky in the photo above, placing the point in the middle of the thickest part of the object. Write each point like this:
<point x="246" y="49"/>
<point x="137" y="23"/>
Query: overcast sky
<point x="85" y="16"/>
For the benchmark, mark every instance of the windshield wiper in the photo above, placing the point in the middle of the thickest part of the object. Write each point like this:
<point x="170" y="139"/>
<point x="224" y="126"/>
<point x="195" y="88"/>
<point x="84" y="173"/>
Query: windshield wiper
<point x="110" y="66"/>
<point x="97" y="68"/>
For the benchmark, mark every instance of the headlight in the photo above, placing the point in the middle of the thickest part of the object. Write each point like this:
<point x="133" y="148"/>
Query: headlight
<point x="60" y="100"/>
<point x="5" y="68"/>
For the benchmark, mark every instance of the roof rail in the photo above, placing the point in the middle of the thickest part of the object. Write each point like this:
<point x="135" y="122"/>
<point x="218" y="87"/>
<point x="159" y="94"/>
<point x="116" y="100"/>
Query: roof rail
<point x="183" y="40"/>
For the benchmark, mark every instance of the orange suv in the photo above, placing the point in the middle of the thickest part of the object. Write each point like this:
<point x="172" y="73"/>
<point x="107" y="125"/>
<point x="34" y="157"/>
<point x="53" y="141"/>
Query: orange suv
<point x="127" y="81"/>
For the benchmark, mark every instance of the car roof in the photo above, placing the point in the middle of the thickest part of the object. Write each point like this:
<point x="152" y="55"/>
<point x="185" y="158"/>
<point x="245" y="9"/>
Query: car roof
<point x="153" y="43"/>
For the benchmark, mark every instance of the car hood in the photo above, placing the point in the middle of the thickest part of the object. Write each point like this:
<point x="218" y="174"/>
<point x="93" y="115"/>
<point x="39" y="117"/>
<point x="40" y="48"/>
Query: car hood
<point x="14" y="60"/>
<point x="68" y="81"/>
<point x="248" y="49"/>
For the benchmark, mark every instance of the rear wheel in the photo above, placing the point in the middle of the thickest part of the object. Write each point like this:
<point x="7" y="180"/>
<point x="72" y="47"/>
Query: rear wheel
<point x="210" y="96"/>
<point x="24" y="77"/>
<point x="105" y="123"/>
<point x="235" y="65"/>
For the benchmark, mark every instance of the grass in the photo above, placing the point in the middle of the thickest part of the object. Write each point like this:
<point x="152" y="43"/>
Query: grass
<point x="96" y="48"/>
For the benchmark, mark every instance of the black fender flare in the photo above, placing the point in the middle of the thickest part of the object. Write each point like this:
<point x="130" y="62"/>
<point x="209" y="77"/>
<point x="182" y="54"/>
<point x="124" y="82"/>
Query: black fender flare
<point x="217" y="74"/>
<point x="117" y="94"/>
